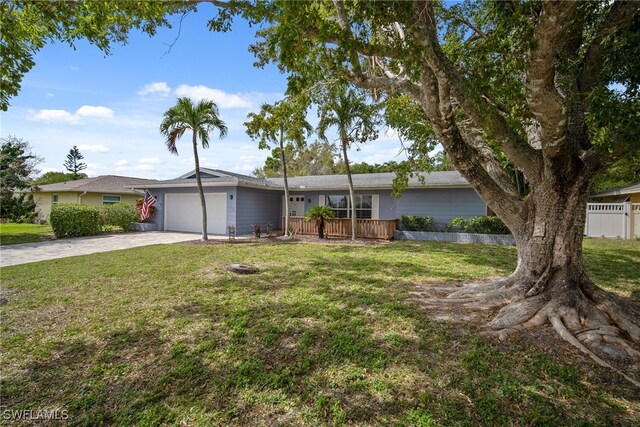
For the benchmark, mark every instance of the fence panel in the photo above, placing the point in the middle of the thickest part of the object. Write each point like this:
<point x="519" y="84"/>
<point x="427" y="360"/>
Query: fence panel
<point x="635" y="219"/>
<point x="606" y="220"/>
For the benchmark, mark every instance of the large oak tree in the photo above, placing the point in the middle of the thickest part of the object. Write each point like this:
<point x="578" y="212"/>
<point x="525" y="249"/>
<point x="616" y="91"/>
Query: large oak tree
<point x="548" y="88"/>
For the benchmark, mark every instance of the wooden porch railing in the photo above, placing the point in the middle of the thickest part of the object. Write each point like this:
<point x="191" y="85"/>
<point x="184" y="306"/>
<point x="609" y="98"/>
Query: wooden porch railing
<point x="365" y="228"/>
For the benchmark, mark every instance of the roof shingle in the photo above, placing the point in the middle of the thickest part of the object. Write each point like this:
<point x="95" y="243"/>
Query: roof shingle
<point x="99" y="184"/>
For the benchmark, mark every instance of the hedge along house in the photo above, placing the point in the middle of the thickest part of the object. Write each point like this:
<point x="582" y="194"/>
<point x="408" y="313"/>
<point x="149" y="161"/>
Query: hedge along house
<point x="241" y="201"/>
<point x="98" y="191"/>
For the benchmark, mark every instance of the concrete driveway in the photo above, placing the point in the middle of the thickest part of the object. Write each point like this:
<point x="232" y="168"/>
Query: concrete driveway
<point x="62" y="248"/>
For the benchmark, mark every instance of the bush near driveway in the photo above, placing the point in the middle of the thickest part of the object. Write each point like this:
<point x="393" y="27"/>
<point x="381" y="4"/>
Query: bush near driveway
<point x="119" y="215"/>
<point x="75" y="220"/>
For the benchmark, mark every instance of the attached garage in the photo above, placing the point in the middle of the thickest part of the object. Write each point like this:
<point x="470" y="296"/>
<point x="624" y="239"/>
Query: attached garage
<point x="182" y="212"/>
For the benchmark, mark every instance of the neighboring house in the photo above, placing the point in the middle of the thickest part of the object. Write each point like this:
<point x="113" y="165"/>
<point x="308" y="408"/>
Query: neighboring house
<point x="630" y="193"/>
<point x="102" y="190"/>
<point x="240" y="201"/>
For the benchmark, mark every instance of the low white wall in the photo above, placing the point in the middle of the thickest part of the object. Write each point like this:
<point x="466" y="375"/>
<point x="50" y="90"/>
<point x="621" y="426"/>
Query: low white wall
<point x="494" y="239"/>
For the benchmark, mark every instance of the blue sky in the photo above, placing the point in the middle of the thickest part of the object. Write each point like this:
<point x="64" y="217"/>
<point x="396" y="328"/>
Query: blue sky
<point x="111" y="107"/>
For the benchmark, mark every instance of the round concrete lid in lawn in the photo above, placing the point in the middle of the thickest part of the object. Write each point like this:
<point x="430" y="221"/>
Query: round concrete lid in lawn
<point x="243" y="268"/>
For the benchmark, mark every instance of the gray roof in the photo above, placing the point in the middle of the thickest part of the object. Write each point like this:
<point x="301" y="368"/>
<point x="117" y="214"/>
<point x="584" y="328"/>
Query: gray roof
<point x="315" y="182"/>
<point x="213" y="178"/>
<point x="100" y="184"/>
<point x="373" y="180"/>
<point x="629" y="189"/>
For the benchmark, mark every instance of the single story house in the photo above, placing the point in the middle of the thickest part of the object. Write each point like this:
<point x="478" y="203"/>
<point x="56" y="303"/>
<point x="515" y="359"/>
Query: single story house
<point x="240" y="200"/>
<point x="629" y="193"/>
<point x="98" y="191"/>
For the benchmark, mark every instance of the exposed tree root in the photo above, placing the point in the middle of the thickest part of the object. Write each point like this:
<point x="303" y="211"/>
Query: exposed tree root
<point x="601" y="325"/>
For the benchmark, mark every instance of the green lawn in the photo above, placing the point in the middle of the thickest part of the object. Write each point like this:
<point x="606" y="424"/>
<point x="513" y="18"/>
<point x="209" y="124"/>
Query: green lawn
<point x="11" y="234"/>
<point x="323" y="335"/>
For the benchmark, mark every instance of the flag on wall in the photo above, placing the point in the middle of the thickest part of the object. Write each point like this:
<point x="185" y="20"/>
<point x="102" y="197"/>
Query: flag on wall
<point x="148" y="201"/>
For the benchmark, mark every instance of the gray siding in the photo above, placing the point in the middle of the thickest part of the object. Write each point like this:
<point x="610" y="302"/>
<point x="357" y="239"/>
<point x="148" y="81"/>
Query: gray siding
<point x="441" y="203"/>
<point x="159" y="193"/>
<point x="257" y="206"/>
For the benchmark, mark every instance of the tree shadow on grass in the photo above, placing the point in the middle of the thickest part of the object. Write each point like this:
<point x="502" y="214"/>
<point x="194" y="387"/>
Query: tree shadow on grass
<point x="279" y="348"/>
<point x="296" y="363"/>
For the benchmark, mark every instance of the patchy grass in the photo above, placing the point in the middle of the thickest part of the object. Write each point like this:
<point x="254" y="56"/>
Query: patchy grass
<point x="11" y="234"/>
<point x="323" y="335"/>
<point x="613" y="264"/>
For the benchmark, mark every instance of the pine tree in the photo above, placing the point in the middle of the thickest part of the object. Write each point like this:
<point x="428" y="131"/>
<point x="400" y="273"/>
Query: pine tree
<point x="73" y="163"/>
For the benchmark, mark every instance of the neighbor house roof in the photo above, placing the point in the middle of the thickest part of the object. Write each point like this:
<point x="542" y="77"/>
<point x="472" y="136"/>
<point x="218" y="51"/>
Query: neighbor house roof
<point x="100" y="184"/>
<point x="217" y="178"/>
<point x="619" y="191"/>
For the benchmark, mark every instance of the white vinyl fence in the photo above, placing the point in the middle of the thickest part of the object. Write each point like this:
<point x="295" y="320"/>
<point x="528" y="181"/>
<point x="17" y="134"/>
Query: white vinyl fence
<point x="620" y="220"/>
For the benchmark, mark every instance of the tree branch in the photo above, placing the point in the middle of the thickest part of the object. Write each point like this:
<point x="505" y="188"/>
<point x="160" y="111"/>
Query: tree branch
<point x="546" y="104"/>
<point x="484" y="114"/>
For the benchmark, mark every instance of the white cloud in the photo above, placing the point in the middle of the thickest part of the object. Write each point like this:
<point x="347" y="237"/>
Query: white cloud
<point x="94" y="169"/>
<point x="63" y="116"/>
<point x="250" y="159"/>
<point x="121" y="163"/>
<point x="95" y="148"/>
<point x="155" y="88"/>
<point x="50" y="95"/>
<point x="149" y="161"/>
<point x="223" y="99"/>
<point x="53" y="116"/>
<point x="95" y="112"/>
<point x="74" y="68"/>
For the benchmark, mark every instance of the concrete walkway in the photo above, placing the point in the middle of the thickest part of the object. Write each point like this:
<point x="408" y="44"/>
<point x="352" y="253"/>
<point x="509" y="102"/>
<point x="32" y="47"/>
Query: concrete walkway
<point x="62" y="248"/>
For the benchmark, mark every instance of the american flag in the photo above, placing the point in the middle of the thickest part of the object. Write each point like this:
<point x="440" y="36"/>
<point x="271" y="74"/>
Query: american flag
<point x="149" y="201"/>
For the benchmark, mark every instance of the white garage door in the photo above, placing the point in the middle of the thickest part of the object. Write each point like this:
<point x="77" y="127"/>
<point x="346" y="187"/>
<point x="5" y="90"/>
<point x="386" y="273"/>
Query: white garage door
<point x="182" y="212"/>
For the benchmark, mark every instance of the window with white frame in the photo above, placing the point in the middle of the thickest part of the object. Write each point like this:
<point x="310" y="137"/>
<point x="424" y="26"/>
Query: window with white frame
<point x="110" y="199"/>
<point x="341" y="206"/>
<point x="54" y="199"/>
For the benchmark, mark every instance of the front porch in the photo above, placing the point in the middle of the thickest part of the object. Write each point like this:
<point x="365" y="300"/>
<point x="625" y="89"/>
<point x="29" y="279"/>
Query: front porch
<point x="365" y="228"/>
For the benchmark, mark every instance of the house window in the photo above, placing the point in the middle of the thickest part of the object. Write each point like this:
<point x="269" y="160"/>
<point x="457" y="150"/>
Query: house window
<point x="109" y="200"/>
<point x="342" y="208"/>
<point x="54" y="199"/>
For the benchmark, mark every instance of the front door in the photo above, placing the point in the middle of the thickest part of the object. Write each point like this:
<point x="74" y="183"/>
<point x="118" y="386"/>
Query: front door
<point x="296" y="205"/>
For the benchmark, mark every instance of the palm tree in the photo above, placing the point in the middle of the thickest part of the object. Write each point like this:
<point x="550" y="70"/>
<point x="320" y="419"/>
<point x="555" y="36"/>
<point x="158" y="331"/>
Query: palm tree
<point x="356" y="122"/>
<point x="200" y="119"/>
<point x="275" y="124"/>
<point x="320" y="214"/>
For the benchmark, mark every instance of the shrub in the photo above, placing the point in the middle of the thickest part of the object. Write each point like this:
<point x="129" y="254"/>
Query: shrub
<point x="479" y="224"/>
<point x="119" y="215"/>
<point x="417" y="223"/>
<point x="75" y="220"/>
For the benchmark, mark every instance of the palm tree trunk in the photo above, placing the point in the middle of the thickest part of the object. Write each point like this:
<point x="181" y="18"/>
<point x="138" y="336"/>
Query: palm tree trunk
<point x="200" y="189"/>
<point x="286" y="184"/>
<point x="352" y="196"/>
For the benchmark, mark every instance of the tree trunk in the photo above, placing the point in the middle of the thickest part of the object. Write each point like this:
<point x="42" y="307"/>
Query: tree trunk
<point x="286" y="184"/>
<point x="550" y="283"/>
<point x="321" y="228"/>
<point x="352" y="196"/>
<point x="200" y="189"/>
